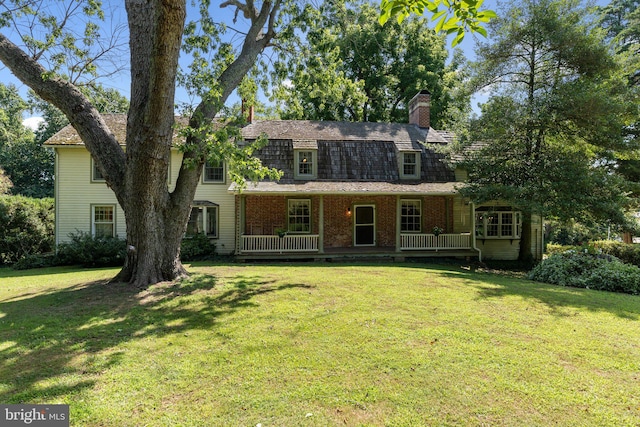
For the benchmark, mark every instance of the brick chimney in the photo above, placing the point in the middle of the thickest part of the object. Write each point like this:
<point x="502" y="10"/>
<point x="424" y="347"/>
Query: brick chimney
<point x="420" y="109"/>
<point x="250" y="115"/>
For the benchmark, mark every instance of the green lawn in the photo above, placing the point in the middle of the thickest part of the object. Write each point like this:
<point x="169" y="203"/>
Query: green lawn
<point x="320" y="345"/>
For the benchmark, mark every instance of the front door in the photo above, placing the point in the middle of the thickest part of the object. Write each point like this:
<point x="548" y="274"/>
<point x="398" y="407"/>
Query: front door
<point x="365" y="226"/>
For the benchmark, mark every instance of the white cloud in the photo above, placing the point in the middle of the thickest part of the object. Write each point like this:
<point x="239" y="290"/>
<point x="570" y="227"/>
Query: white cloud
<point x="32" y="122"/>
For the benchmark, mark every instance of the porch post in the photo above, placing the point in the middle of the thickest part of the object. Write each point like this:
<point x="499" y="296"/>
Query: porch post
<point x="321" y="225"/>
<point x="398" y="220"/>
<point x="240" y="227"/>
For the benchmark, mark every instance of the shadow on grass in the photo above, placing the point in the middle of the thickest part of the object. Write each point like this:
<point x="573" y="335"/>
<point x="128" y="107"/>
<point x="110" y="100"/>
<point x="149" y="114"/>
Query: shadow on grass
<point x="558" y="299"/>
<point x="58" y="343"/>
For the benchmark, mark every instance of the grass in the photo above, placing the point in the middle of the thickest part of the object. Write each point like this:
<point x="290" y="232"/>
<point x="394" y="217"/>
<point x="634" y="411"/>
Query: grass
<point x="320" y="345"/>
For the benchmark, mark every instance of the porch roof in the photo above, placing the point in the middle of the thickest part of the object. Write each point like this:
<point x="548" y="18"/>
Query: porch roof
<point x="350" y="187"/>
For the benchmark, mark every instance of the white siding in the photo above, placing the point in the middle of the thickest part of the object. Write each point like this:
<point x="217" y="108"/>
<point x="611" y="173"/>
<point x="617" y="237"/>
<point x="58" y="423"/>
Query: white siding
<point x="75" y="194"/>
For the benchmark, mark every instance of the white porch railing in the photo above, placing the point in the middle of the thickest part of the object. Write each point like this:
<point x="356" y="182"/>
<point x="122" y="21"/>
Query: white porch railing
<point x="433" y="242"/>
<point x="277" y="244"/>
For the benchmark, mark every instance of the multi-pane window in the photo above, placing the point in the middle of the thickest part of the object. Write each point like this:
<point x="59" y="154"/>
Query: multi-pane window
<point x="299" y="216"/>
<point x="500" y="224"/>
<point x="305" y="162"/>
<point x="203" y="220"/>
<point x="103" y="221"/>
<point x="409" y="164"/>
<point x="96" y="175"/>
<point x="410" y="216"/>
<point x="214" y="172"/>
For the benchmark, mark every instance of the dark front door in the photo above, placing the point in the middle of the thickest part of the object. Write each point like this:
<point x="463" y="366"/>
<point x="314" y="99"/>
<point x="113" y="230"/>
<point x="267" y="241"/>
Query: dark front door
<point x="365" y="226"/>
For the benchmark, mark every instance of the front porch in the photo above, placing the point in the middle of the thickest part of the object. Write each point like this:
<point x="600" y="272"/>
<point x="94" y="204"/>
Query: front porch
<point x="309" y="246"/>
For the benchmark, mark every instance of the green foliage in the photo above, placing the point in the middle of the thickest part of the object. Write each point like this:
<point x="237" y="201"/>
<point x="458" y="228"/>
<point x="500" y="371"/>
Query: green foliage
<point x="626" y="252"/>
<point x="584" y="270"/>
<point x="5" y="183"/>
<point x="466" y="15"/>
<point x="346" y="67"/>
<point x="553" y="118"/>
<point x="89" y="251"/>
<point x="26" y="227"/>
<point x="197" y="248"/>
<point x="573" y="233"/>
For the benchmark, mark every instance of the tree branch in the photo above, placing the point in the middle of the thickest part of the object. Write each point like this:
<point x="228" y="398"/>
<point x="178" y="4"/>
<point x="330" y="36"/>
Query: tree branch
<point x="87" y="121"/>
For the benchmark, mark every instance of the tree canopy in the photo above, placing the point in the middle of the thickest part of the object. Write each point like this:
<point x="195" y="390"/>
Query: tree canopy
<point x="345" y="66"/>
<point x="554" y="117"/>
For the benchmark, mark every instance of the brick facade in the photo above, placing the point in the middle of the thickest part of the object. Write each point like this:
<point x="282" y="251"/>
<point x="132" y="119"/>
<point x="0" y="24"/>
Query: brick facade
<point x="266" y="214"/>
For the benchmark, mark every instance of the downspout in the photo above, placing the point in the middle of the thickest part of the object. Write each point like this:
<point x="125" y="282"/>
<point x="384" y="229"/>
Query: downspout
<point x="473" y="231"/>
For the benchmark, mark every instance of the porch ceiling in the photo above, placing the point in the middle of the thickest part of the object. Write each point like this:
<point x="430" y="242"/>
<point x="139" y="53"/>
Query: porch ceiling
<point x="331" y="187"/>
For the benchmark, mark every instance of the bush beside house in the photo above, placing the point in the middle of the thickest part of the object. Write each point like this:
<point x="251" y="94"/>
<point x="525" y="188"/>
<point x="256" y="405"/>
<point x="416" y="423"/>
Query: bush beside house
<point x="585" y="270"/>
<point x="26" y="227"/>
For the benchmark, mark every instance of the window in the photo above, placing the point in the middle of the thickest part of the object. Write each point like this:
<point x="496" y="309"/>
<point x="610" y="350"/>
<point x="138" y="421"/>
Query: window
<point x="103" y="221"/>
<point x="203" y="220"/>
<point x="410" y="167"/>
<point x="96" y="175"/>
<point x="214" y="172"/>
<point x="306" y="164"/>
<point x="299" y="216"/>
<point x="410" y="216"/>
<point x="493" y="224"/>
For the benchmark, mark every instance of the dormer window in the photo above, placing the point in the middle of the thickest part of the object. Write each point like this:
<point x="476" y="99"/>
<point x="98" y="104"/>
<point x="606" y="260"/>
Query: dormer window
<point x="410" y="165"/>
<point x="305" y="158"/>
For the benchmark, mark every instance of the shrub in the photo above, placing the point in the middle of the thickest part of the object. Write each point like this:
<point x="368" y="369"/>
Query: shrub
<point x="26" y="227"/>
<point x="36" y="261"/>
<point x="197" y="248"/>
<point x="90" y="251"/>
<point x="627" y="252"/>
<point x="589" y="271"/>
<point x="553" y="248"/>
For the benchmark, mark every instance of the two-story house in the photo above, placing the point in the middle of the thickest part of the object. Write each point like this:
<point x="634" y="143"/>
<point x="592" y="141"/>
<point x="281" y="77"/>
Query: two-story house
<point x="348" y="190"/>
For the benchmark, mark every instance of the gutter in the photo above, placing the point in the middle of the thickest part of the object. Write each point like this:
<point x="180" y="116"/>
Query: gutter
<point x="473" y="231"/>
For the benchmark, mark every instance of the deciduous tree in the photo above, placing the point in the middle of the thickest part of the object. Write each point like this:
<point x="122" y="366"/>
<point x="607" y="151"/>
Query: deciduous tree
<point x="345" y="66"/>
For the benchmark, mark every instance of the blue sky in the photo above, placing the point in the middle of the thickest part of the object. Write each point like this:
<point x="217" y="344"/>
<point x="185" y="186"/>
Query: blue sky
<point x="116" y="16"/>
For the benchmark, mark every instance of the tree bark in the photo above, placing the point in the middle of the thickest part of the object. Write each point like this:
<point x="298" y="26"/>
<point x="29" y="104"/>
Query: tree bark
<point x="156" y="219"/>
<point x="525" y="255"/>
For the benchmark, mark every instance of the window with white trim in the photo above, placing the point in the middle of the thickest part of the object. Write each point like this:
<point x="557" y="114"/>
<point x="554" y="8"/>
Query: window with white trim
<point x="306" y="164"/>
<point x="498" y="224"/>
<point x="203" y="220"/>
<point x="96" y="175"/>
<point x="213" y="172"/>
<point x="410" y="165"/>
<point x="103" y="221"/>
<point x="411" y="216"/>
<point x="299" y="216"/>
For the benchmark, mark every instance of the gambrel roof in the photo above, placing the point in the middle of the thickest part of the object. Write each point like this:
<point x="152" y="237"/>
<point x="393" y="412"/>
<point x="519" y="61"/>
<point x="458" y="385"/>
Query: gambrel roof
<point x="350" y="152"/>
<point x="351" y="157"/>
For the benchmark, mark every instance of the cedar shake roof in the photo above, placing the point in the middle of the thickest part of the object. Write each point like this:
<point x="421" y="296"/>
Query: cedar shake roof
<point x="117" y="123"/>
<point x="351" y="157"/>
<point x="350" y="152"/>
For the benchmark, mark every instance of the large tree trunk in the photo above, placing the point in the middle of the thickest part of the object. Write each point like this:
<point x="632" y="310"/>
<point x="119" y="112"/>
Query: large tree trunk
<point x="155" y="218"/>
<point x="525" y="255"/>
